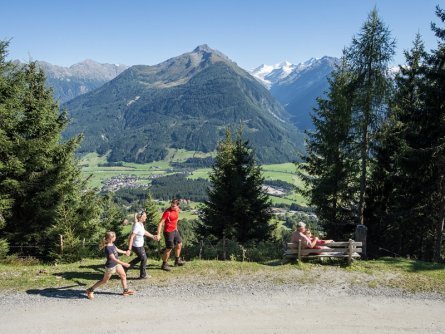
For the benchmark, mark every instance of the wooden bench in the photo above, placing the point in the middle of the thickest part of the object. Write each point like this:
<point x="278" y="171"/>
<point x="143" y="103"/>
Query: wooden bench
<point x="341" y="249"/>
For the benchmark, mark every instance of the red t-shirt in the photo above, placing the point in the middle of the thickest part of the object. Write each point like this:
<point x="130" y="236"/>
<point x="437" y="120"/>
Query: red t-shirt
<point x="170" y="220"/>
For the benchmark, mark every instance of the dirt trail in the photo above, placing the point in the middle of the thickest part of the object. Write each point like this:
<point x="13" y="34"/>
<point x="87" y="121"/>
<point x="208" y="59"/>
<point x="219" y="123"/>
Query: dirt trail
<point x="289" y="310"/>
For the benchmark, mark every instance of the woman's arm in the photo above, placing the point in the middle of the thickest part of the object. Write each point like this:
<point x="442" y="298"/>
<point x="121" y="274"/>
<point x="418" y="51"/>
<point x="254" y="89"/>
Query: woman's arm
<point x="130" y="241"/>
<point x="148" y="234"/>
<point x="314" y="242"/>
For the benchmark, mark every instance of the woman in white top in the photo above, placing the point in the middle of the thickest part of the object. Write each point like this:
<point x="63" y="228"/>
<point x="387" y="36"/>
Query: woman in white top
<point x="136" y="242"/>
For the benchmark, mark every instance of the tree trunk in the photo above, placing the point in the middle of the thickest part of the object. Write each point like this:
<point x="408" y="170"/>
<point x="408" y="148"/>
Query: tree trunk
<point x="365" y="142"/>
<point x="364" y="163"/>
<point x="440" y="225"/>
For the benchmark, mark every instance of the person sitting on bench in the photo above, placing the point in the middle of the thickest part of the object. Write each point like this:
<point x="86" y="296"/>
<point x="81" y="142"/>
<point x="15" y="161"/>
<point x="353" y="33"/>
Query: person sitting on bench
<point x="308" y="233"/>
<point x="299" y="234"/>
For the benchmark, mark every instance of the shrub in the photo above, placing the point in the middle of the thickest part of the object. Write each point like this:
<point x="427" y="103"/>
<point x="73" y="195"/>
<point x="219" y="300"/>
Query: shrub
<point x="15" y="260"/>
<point x="4" y="248"/>
<point x="260" y="252"/>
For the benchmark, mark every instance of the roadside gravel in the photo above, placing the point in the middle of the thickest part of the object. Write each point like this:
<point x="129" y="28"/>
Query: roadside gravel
<point x="338" y="303"/>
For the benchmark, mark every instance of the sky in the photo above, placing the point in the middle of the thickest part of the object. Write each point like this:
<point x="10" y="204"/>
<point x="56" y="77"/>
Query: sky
<point x="250" y="32"/>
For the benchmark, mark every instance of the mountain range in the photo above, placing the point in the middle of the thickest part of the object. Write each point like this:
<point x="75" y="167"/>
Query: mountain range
<point x="296" y="87"/>
<point x="207" y="91"/>
<point x="80" y="78"/>
<point x="184" y="102"/>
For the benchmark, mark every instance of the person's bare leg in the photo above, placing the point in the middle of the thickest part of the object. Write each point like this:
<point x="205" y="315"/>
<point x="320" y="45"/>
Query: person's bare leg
<point x="178" y="261"/>
<point x="90" y="291"/>
<point x="178" y="249"/>
<point x="121" y="272"/>
<point x="165" y="258"/>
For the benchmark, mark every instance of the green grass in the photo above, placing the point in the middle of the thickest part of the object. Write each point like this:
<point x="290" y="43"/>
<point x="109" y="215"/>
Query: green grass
<point x="415" y="276"/>
<point x="202" y="173"/>
<point x="181" y="155"/>
<point x="188" y="215"/>
<point x="98" y="174"/>
<point x="408" y="275"/>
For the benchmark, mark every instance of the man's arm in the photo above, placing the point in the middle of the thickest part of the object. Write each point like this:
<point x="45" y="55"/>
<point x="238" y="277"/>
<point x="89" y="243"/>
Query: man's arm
<point x="160" y="227"/>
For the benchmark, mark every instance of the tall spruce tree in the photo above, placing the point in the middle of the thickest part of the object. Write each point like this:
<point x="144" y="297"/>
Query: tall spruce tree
<point x="153" y="217"/>
<point x="368" y="57"/>
<point x="8" y="161"/>
<point x="237" y="208"/>
<point x="112" y="216"/>
<point x="436" y="133"/>
<point x="328" y="170"/>
<point x="39" y="173"/>
<point x="397" y="193"/>
<point x="153" y="213"/>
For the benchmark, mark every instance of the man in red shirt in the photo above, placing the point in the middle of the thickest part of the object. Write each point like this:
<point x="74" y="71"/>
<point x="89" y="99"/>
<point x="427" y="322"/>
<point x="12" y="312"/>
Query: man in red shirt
<point x="168" y="223"/>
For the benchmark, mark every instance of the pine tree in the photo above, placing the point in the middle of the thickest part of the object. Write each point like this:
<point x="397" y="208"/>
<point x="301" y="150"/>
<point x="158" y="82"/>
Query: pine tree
<point x="153" y="218"/>
<point x="153" y="213"/>
<point x="112" y="217"/>
<point x="368" y="57"/>
<point x="327" y="169"/>
<point x="40" y="179"/>
<point x="238" y="208"/>
<point x="436" y="133"/>
<point x="10" y="165"/>
<point x="397" y="186"/>
<point x="216" y="212"/>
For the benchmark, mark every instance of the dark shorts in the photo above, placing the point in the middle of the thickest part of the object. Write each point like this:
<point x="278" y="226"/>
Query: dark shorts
<point x="172" y="239"/>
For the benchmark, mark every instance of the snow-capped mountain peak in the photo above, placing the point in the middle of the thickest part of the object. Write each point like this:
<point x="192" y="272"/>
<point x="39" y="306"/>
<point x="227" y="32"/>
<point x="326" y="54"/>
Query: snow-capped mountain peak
<point x="269" y="74"/>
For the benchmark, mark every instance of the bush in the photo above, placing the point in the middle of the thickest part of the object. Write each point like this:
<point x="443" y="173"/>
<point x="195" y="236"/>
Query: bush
<point x="260" y="252"/>
<point x="265" y="251"/>
<point x="73" y="250"/>
<point x="4" y="248"/>
<point x="15" y="260"/>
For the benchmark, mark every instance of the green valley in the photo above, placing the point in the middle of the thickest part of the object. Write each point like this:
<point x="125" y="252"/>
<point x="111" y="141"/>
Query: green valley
<point x="99" y="172"/>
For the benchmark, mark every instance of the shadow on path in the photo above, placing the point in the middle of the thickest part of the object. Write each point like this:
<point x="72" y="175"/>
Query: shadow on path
<point x="75" y="276"/>
<point x="64" y="292"/>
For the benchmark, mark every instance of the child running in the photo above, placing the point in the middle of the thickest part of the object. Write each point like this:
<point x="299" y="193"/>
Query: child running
<point x="112" y="266"/>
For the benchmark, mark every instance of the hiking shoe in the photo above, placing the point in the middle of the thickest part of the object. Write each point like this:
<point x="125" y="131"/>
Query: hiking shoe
<point x="128" y="292"/>
<point x="90" y="294"/>
<point x="165" y="267"/>
<point x="144" y="277"/>
<point x="179" y="263"/>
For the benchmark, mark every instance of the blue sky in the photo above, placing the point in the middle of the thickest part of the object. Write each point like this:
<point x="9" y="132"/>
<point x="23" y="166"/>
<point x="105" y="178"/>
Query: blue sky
<point x="250" y="32"/>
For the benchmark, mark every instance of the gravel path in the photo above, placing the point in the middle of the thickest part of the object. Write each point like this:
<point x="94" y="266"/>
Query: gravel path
<point x="225" y="307"/>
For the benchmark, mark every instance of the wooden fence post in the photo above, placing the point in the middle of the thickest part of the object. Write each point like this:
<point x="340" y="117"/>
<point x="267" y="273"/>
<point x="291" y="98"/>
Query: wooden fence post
<point x="299" y="250"/>
<point x="243" y="250"/>
<point x="350" y="252"/>
<point x="200" y="248"/>
<point x="61" y="244"/>
<point x="360" y="235"/>
<point x="224" y="246"/>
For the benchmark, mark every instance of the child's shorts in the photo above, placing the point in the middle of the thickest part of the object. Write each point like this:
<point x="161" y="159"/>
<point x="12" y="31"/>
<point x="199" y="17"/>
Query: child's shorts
<point x="112" y="270"/>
